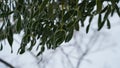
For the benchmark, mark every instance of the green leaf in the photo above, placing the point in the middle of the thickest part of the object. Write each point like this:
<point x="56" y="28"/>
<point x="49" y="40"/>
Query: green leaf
<point x="10" y="39"/>
<point x="59" y="37"/>
<point x="5" y="14"/>
<point x="117" y="10"/>
<point x="112" y="11"/>
<point x="43" y="5"/>
<point x="77" y="26"/>
<point x="22" y="51"/>
<point x="1" y="47"/>
<point x="108" y="24"/>
<point x="69" y="14"/>
<point x="87" y="29"/>
<point x="19" y="24"/>
<point x="107" y="13"/>
<point x="90" y="19"/>
<point x="104" y="9"/>
<point x="101" y="25"/>
<point x="50" y="10"/>
<point x="70" y="24"/>
<point x="99" y="20"/>
<point x="69" y="35"/>
<point x="42" y="50"/>
<point x="33" y="42"/>
<point x="99" y="5"/>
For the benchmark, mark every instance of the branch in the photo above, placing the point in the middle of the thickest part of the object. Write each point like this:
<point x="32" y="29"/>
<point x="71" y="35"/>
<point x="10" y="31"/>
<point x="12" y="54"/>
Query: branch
<point x="6" y="63"/>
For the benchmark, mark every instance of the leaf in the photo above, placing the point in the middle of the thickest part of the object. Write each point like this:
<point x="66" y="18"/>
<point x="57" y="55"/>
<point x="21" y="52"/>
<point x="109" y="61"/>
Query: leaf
<point x="59" y="37"/>
<point x="22" y="51"/>
<point x="69" y="35"/>
<point x="32" y="44"/>
<point x="87" y="29"/>
<point x="69" y="14"/>
<point x="5" y="14"/>
<point x="10" y="39"/>
<point x="117" y="10"/>
<point x="50" y="10"/>
<point x="77" y="26"/>
<point x="42" y="6"/>
<point x="99" y="20"/>
<point x="99" y="5"/>
<point x="90" y="19"/>
<point x="88" y="26"/>
<point x="104" y="9"/>
<point x="1" y="47"/>
<point x="82" y="22"/>
<point x="101" y="25"/>
<point x="42" y="50"/>
<point x="107" y="13"/>
<point x="19" y="24"/>
<point x="108" y="24"/>
<point x="70" y="24"/>
<point x="112" y="11"/>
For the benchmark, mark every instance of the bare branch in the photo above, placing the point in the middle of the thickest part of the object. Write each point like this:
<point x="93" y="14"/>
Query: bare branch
<point x="6" y="63"/>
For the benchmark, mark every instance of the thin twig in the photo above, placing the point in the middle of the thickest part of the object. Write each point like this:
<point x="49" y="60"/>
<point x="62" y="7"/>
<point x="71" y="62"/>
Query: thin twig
<point x="6" y="63"/>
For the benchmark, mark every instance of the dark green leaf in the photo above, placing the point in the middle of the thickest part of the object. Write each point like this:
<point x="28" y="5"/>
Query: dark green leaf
<point x="112" y="11"/>
<point x="19" y="24"/>
<point x="70" y="24"/>
<point x="118" y="10"/>
<point x="87" y="29"/>
<point x="104" y="9"/>
<point x="42" y="50"/>
<point x="32" y="44"/>
<point x="90" y="19"/>
<point x="10" y="39"/>
<point x="77" y="26"/>
<point x="43" y="5"/>
<point x="108" y="24"/>
<point x="69" y="35"/>
<point x="5" y="14"/>
<point x="107" y="13"/>
<point x="22" y="50"/>
<point x="99" y="5"/>
<point x="59" y="37"/>
<point x="69" y="14"/>
<point x="99" y="20"/>
<point x="101" y="25"/>
<point x="1" y="47"/>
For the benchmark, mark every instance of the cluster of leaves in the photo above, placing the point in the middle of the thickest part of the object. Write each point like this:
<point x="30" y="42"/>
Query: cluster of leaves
<point x="51" y="21"/>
